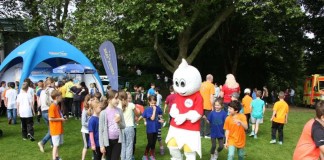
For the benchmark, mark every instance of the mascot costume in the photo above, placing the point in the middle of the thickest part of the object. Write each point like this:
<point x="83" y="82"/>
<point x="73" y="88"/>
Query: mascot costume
<point x="185" y="112"/>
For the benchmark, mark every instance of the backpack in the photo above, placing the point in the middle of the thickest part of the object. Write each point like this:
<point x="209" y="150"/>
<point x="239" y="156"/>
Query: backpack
<point x="48" y="100"/>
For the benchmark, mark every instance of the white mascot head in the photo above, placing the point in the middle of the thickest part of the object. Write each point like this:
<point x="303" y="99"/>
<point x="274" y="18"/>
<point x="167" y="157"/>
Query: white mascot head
<point x="186" y="79"/>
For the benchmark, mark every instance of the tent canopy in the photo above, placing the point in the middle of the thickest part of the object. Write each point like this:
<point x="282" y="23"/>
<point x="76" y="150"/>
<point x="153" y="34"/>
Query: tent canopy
<point x="50" y="50"/>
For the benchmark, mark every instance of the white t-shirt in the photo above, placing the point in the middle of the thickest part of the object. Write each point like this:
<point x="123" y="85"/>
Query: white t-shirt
<point x="11" y="95"/>
<point x="159" y="100"/>
<point x="24" y="100"/>
<point x="292" y="92"/>
<point x="42" y="98"/>
<point x="128" y="115"/>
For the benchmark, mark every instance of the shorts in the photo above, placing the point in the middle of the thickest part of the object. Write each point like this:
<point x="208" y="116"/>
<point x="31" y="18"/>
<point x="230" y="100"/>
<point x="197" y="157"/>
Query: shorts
<point x="256" y="120"/>
<point x="57" y="140"/>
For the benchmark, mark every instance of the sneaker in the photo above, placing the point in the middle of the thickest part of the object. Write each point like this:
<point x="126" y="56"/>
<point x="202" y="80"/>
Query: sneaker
<point x="24" y="139"/>
<point x="41" y="146"/>
<point x="280" y="143"/>
<point x="9" y="121"/>
<point x="207" y="137"/>
<point x="145" y="158"/>
<point x="161" y="151"/>
<point x="216" y="154"/>
<point x="31" y="138"/>
<point x="273" y="141"/>
<point x="58" y="158"/>
<point x="212" y="157"/>
<point x="255" y="136"/>
<point x="152" y="158"/>
<point x="251" y="134"/>
<point x="164" y="124"/>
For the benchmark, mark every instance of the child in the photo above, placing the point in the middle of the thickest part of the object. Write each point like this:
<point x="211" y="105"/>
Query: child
<point x="111" y="123"/>
<point x="26" y="111"/>
<point x="257" y="112"/>
<point x="235" y="126"/>
<point x="311" y="141"/>
<point x="93" y="89"/>
<point x="56" y="120"/>
<point x="93" y="127"/>
<point x="150" y="114"/>
<point x="246" y="102"/>
<point x="168" y="103"/>
<point x="279" y="118"/>
<point x="160" y="118"/>
<point x="216" y="118"/>
<point x="129" y="132"/>
<point x="84" y="125"/>
<point x="151" y="91"/>
<point x="10" y="102"/>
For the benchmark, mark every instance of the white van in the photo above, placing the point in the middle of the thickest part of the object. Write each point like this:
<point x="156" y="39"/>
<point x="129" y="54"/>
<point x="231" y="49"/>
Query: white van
<point x="105" y="81"/>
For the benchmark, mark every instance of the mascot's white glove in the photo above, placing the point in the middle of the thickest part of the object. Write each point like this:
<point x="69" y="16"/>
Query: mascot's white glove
<point x="192" y="115"/>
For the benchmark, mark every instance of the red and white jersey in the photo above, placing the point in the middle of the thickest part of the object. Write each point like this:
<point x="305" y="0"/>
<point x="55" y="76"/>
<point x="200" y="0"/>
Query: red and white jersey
<point x="185" y="104"/>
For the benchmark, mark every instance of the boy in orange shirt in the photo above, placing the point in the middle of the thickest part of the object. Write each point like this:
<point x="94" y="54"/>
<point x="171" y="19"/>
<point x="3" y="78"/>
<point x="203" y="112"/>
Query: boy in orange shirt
<point x="235" y="126"/>
<point x="246" y="102"/>
<point x="279" y="118"/>
<point x="56" y="119"/>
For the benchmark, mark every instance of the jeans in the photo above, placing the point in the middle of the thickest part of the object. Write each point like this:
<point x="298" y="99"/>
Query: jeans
<point x="47" y="137"/>
<point x="231" y="151"/>
<point x="127" y="145"/>
<point x="12" y="114"/>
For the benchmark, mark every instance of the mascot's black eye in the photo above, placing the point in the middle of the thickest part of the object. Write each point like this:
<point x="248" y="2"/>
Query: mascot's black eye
<point x="182" y="83"/>
<point x="177" y="83"/>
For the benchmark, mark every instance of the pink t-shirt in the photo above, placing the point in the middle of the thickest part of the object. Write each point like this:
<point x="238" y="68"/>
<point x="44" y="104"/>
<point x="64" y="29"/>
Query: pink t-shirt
<point x="228" y="93"/>
<point x="113" y="129"/>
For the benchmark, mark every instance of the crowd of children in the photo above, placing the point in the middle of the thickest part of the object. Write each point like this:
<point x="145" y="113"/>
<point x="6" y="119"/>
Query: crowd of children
<point x="108" y="123"/>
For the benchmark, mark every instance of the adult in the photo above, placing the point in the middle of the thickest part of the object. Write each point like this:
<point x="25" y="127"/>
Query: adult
<point x="265" y="95"/>
<point x="45" y="102"/>
<point x="68" y="97"/>
<point x="292" y="96"/>
<point x="229" y="88"/>
<point x="2" y="104"/>
<point x="207" y="91"/>
<point x="217" y="91"/>
<point x="311" y="141"/>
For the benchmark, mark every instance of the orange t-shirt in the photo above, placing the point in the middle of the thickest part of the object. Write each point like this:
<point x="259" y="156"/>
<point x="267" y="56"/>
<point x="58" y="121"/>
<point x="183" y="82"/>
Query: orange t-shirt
<point x="246" y="101"/>
<point x="306" y="147"/>
<point x="236" y="135"/>
<point x="206" y="90"/>
<point x="282" y="109"/>
<point x="56" y="127"/>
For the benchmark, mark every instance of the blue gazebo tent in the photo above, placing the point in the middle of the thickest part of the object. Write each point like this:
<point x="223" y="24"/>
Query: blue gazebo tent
<point x="44" y="51"/>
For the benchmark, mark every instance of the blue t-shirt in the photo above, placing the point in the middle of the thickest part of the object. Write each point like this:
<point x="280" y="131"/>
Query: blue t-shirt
<point x="257" y="108"/>
<point x="93" y="126"/>
<point x="253" y="95"/>
<point x="39" y="92"/>
<point x="151" y="92"/>
<point x="217" y="120"/>
<point x="151" y="125"/>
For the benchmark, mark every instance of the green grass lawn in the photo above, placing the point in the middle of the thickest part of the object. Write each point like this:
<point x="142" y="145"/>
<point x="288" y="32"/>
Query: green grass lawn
<point x="13" y="147"/>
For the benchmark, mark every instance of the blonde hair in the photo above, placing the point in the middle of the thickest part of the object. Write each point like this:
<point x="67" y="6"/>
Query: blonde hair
<point x="122" y="95"/>
<point x="85" y="102"/>
<point x="231" y="82"/>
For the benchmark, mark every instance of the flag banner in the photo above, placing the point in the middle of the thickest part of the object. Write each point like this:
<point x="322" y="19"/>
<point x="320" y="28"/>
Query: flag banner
<point x="109" y="60"/>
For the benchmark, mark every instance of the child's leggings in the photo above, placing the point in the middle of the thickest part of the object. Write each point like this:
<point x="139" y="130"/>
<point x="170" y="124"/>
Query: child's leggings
<point x="151" y="141"/>
<point x="159" y="135"/>
<point x="220" y="145"/>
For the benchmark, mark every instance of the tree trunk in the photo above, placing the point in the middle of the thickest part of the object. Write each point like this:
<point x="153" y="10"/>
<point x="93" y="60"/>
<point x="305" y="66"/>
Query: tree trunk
<point x="184" y="40"/>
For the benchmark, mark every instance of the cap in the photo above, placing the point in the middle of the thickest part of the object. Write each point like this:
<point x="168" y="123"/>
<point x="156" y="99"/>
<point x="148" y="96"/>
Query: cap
<point x="235" y="95"/>
<point x="247" y="90"/>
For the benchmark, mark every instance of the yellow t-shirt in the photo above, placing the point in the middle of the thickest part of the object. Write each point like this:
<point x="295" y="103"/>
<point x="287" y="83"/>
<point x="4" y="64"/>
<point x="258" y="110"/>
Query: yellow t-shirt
<point x="236" y="135"/>
<point x="206" y="90"/>
<point x="282" y="109"/>
<point x="246" y="102"/>
<point x="63" y="91"/>
<point x="68" y="85"/>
